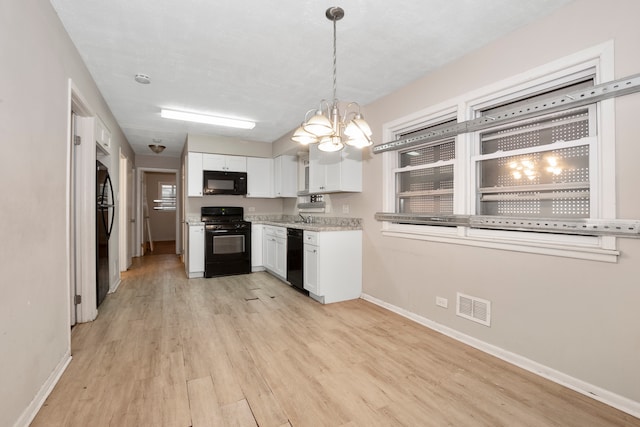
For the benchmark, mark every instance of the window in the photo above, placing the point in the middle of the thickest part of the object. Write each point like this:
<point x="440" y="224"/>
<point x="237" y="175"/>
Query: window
<point x="424" y="178"/>
<point x="537" y="168"/>
<point x="556" y="164"/>
<point x="167" y="197"/>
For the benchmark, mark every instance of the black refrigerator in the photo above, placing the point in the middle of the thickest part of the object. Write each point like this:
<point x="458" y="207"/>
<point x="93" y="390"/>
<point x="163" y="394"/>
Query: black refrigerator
<point x="104" y="225"/>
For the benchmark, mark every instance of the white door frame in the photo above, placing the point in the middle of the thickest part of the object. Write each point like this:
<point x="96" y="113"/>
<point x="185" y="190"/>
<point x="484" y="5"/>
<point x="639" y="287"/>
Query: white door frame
<point x="126" y="187"/>
<point x="139" y="203"/>
<point x="81" y="212"/>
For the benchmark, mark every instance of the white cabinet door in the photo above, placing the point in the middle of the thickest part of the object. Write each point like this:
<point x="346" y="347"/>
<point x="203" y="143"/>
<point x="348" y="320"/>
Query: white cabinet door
<point x="281" y="256"/>
<point x="317" y="168"/>
<point x="102" y="136"/>
<point x="259" y="177"/>
<point x="274" y="254"/>
<point x="310" y="269"/>
<point x="194" y="174"/>
<point x="269" y="248"/>
<point x="236" y="163"/>
<point x="286" y="176"/>
<point x="196" y="251"/>
<point x="221" y="162"/>
<point x="336" y="171"/>
<point x="213" y="162"/>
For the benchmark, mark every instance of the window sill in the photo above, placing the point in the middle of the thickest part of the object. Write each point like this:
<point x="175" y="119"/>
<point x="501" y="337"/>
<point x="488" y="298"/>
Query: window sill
<point x="577" y="247"/>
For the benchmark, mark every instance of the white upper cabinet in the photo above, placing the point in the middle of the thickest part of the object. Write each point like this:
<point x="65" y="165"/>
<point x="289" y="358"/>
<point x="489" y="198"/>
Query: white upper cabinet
<point x="102" y="135"/>
<point x="286" y="176"/>
<point x="335" y="172"/>
<point x="221" y="162"/>
<point x="259" y="177"/>
<point x="194" y="174"/>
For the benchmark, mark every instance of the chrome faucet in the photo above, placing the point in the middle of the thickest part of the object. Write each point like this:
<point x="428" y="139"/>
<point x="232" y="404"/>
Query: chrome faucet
<point x="306" y="220"/>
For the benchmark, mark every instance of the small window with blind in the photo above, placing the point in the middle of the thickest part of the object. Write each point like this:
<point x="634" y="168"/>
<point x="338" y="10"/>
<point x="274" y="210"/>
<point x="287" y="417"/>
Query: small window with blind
<point x="424" y="177"/>
<point x="166" y="202"/>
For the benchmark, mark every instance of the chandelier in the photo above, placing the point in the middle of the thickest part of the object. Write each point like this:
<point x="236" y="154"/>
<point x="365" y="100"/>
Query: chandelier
<point x="327" y="126"/>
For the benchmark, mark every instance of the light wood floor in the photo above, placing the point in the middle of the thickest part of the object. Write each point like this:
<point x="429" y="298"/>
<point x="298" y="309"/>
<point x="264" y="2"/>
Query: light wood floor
<point x="249" y="350"/>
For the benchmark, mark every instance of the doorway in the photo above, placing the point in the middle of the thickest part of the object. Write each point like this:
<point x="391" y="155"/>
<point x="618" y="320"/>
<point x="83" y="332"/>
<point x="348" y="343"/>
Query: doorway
<point x="160" y="218"/>
<point x="158" y="229"/>
<point x="81" y="157"/>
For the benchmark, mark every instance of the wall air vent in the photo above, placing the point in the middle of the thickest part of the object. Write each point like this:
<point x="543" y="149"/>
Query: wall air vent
<point x="475" y="309"/>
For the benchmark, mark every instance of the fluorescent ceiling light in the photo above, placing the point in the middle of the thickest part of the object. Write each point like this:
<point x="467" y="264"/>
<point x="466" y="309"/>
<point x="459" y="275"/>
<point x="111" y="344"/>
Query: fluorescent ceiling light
<point x="210" y="120"/>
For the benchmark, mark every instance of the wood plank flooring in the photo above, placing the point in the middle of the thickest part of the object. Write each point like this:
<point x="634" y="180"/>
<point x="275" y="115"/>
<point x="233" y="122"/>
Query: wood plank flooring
<point x="251" y="351"/>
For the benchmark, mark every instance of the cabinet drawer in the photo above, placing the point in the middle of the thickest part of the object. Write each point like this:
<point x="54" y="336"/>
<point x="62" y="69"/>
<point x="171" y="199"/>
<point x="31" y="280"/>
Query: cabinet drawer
<point x="280" y="231"/>
<point x="311" y="238"/>
<point x="275" y="231"/>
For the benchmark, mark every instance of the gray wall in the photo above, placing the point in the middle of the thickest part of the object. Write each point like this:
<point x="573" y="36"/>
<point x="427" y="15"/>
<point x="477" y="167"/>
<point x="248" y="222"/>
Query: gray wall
<point x="37" y="60"/>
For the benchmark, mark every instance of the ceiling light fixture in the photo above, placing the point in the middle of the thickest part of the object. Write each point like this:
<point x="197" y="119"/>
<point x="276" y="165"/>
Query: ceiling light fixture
<point x="143" y="79"/>
<point x="327" y="126"/>
<point x="157" y="148"/>
<point x="210" y="120"/>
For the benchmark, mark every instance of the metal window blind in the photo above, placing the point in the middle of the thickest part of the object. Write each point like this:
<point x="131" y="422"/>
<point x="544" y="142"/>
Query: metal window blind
<point x="429" y="187"/>
<point x="536" y="183"/>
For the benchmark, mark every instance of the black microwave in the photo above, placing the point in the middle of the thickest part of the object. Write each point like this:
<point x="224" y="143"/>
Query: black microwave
<point x="220" y="182"/>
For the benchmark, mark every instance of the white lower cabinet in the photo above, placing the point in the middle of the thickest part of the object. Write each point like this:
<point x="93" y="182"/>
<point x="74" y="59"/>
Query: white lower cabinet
<point x="194" y="262"/>
<point x="310" y="268"/>
<point x="333" y="265"/>
<point x="274" y="250"/>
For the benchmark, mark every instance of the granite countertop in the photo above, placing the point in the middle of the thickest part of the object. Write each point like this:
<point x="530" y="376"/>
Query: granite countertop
<point x="317" y="223"/>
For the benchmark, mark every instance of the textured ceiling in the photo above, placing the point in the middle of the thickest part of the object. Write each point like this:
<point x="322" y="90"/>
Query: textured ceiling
<point x="268" y="61"/>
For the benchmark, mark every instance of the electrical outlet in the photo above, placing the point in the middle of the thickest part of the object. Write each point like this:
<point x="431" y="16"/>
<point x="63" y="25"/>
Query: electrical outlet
<point x="251" y="209"/>
<point x="442" y="302"/>
<point x="345" y="209"/>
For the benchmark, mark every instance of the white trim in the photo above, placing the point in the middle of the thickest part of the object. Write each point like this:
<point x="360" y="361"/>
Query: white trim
<point x="31" y="411"/>
<point x="607" y="397"/>
<point x="457" y="236"/>
<point x="115" y="286"/>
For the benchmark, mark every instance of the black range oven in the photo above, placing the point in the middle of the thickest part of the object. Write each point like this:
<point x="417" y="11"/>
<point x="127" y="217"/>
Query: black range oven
<point x="227" y="241"/>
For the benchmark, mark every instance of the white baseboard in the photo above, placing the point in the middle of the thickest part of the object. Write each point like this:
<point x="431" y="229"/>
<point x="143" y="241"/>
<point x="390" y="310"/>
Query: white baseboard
<point x="32" y="410"/>
<point x="115" y="286"/>
<point x="622" y="403"/>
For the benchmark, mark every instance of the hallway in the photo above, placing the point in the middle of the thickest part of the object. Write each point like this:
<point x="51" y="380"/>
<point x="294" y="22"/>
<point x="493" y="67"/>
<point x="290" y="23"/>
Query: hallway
<point x="249" y="350"/>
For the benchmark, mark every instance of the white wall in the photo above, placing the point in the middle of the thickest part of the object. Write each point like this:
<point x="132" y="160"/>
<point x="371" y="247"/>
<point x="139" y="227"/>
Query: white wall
<point x="37" y="59"/>
<point x="578" y="317"/>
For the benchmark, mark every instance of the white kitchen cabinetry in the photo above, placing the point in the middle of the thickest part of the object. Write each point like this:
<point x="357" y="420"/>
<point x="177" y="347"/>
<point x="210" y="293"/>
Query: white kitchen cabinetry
<point x="274" y="253"/>
<point x="256" y="247"/>
<point x="333" y="265"/>
<point x="194" y="174"/>
<point x="259" y="177"/>
<point x="335" y="172"/>
<point x="286" y="176"/>
<point x="221" y="162"/>
<point x="103" y="136"/>
<point x="194" y="261"/>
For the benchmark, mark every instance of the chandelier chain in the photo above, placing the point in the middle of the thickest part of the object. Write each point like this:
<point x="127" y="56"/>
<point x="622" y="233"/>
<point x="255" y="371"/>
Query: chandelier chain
<point x="335" y="72"/>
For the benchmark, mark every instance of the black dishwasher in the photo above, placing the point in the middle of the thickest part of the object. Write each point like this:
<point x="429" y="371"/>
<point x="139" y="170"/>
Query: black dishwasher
<point x="295" y="252"/>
